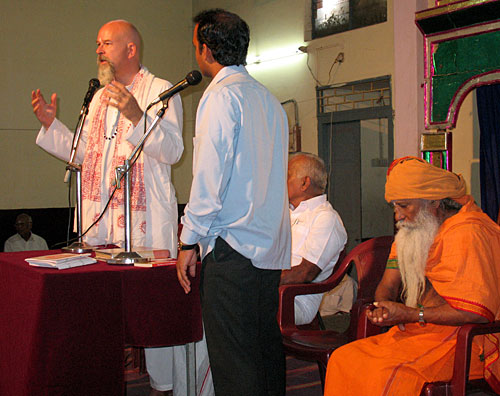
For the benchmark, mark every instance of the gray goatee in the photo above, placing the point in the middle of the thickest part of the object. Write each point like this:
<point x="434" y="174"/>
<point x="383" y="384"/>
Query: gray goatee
<point x="105" y="71"/>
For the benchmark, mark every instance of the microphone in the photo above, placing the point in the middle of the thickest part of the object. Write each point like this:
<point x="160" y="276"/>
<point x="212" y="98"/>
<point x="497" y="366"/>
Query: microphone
<point x="94" y="85"/>
<point x="192" y="78"/>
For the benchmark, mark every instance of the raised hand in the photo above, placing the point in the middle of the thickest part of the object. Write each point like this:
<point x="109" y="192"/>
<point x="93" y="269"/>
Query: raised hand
<point x="117" y="95"/>
<point x="45" y="112"/>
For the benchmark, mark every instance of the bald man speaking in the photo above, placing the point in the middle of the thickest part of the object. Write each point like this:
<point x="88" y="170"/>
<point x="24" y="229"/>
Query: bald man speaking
<point x="114" y="126"/>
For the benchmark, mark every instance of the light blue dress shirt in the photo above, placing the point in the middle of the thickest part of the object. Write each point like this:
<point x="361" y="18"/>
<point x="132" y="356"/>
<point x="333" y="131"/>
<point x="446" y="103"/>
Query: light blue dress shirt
<point x="240" y="161"/>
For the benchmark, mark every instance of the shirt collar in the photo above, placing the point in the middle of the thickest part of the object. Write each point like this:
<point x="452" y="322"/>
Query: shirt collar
<point x="226" y="72"/>
<point x="309" y="204"/>
<point x="29" y="239"/>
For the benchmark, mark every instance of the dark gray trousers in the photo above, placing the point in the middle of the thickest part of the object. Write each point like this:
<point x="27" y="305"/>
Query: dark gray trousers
<point x="239" y="306"/>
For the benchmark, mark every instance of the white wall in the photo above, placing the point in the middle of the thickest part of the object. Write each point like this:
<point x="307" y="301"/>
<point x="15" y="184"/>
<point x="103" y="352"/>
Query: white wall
<point x="278" y="24"/>
<point x="50" y="45"/>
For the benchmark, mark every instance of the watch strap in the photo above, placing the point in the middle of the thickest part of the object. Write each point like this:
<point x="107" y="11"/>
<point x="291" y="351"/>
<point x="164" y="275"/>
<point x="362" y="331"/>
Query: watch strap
<point x="183" y="246"/>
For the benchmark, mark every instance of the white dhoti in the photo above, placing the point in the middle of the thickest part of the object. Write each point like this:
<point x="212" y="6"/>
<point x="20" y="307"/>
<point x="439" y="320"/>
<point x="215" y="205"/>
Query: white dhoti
<point x="204" y="383"/>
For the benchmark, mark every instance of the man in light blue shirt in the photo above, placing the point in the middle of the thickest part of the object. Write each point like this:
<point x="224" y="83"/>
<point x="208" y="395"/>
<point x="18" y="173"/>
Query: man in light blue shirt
<point x="237" y="212"/>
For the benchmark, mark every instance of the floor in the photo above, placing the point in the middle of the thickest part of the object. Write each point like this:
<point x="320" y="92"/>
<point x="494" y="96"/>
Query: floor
<point x="302" y="379"/>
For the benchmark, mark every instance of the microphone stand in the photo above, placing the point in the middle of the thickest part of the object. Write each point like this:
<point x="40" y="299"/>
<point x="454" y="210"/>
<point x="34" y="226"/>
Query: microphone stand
<point x="128" y="257"/>
<point x="78" y="246"/>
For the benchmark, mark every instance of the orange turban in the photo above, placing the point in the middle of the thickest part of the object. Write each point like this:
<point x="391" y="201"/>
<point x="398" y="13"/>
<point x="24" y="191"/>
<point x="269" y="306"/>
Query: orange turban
<point x="413" y="178"/>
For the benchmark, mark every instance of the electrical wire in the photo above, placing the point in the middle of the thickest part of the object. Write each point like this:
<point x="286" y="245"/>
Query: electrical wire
<point x="310" y="70"/>
<point x="318" y="83"/>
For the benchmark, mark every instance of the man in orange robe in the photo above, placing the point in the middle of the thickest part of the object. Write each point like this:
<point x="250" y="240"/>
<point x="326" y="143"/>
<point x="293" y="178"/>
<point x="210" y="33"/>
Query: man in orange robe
<point x="445" y="267"/>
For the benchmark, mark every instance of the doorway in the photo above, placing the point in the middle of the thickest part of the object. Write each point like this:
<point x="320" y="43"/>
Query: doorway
<point x="356" y="143"/>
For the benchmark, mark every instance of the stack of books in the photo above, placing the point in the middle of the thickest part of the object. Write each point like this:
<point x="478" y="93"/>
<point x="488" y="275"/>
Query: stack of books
<point x="145" y="252"/>
<point x="157" y="263"/>
<point x="61" y="260"/>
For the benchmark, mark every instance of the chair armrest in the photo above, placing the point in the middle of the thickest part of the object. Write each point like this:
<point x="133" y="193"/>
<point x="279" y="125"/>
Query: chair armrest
<point x="363" y="327"/>
<point x="463" y="352"/>
<point x="290" y="291"/>
<point x="287" y="294"/>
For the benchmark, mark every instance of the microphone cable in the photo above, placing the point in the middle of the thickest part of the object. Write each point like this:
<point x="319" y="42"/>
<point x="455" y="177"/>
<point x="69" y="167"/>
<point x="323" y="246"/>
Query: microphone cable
<point x="136" y="157"/>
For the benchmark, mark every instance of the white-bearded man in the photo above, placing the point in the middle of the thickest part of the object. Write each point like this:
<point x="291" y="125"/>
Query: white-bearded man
<point x="112" y="129"/>
<point x="445" y="267"/>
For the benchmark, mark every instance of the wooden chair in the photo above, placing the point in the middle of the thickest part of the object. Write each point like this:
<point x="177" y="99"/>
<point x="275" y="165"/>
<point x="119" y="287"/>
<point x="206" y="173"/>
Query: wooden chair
<point x="459" y="384"/>
<point x="370" y="259"/>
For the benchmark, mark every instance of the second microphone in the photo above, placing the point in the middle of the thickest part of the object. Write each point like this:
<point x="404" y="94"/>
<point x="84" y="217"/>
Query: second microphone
<point x="192" y="78"/>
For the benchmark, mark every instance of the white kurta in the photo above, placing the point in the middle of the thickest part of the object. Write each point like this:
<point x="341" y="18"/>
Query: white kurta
<point x="163" y="148"/>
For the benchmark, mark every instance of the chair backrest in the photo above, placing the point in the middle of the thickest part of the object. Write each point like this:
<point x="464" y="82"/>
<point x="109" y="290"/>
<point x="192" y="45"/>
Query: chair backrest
<point x="370" y="259"/>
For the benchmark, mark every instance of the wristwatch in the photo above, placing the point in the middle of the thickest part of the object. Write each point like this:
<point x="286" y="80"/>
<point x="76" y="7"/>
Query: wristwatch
<point x="421" y="320"/>
<point x="183" y="246"/>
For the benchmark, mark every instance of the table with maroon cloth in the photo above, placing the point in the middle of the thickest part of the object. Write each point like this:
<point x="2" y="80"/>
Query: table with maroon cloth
<point x="63" y="332"/>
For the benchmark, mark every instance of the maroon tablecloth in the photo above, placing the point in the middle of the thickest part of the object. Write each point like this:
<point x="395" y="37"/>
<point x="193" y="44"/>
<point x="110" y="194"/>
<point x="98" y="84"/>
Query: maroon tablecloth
<point x="63" y="332"/>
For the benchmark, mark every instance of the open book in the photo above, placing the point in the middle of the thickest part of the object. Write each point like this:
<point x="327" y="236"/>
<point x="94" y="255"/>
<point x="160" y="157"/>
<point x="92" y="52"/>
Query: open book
<point x="61" y="260"/>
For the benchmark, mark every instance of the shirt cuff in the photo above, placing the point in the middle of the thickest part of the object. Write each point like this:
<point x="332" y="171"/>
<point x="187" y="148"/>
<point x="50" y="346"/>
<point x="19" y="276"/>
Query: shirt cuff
<point x="189" y="237"/>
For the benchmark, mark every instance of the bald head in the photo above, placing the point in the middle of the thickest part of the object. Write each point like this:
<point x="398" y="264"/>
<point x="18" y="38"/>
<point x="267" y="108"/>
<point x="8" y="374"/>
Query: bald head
<point x="118" y="51"/>
<point x="23" y="217"/>
<point x="23" y="225"/>
<point x="127" y="31"/>
<point x="307" y="164"/>
<point x="307" y="177"/>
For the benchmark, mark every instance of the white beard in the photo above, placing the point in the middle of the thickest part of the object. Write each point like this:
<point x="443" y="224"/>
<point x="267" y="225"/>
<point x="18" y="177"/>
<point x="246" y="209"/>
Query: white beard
<point x="413" y="242"/>
<point x="105" y="72"/>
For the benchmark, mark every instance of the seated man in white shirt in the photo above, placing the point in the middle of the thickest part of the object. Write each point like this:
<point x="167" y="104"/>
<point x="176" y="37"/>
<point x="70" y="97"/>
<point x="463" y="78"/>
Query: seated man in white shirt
<point x="318" y="234"/>
<point x="24" y="239"/>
